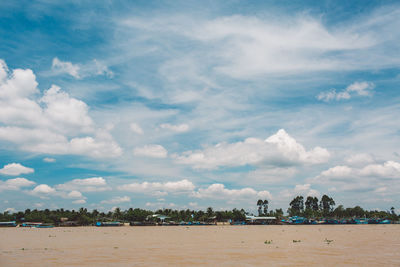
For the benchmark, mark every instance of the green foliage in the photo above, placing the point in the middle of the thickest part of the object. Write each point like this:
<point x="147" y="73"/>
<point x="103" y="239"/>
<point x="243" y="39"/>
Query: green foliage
<point x="262" y="207"/>
<point x="296" y="206"/>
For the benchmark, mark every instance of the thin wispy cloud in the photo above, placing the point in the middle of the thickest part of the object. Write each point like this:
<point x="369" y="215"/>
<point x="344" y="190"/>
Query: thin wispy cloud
<point x="354" y="89"/>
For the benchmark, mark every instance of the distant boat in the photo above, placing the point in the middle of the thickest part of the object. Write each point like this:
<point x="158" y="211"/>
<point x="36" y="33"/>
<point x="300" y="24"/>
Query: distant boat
<point x="142" y="223"/>
<point x="99" y="224"/>
<point x="361" y="221"/>
<point x="8" y="224"/>
<point x="36" y="225"/>
<point x="30" y="224"/>
<point x="44" y="225"/>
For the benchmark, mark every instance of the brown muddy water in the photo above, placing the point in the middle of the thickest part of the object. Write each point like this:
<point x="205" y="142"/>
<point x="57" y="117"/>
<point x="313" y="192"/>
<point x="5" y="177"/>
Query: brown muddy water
<point x="326" y="245"/>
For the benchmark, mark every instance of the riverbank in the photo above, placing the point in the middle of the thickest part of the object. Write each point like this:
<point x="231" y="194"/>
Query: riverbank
<point x="277" y="245"/>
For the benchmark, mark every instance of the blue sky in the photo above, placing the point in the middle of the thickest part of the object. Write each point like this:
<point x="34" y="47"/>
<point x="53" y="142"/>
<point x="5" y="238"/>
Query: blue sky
<point x="187" y="104"/>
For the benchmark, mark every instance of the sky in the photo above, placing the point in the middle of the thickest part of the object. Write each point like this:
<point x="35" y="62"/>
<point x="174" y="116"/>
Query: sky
<point x="191" y="104"/>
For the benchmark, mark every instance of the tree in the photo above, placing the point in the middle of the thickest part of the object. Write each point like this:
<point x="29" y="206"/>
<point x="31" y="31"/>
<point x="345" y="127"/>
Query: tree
<point x="392" y="211"/>
<point x="296" y="206"/>
<point x="259" y="205"/>
<point x="210" y="212"/>
<point x="326" y="205"/>
<point x="278" y="213"/>
<point x="117" y="214"/>
<point x="339" y="212"/>
<point x="311" y="206"/>
<point x="265" y="206"/>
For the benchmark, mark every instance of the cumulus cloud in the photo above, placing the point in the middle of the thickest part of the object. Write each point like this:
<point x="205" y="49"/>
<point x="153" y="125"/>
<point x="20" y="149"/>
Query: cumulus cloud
<point x="15" y="169"/>
<point x="365" y="178"/>
<point x="136" y="128"/>
<point x="95" y="184"/>
<point x="43" y="189"/>
<point x="157" y="188"/>
<point x="176" y="128"/>
<point x="152" y="151"/>
<point x="117" y="200"/>
<point x="389" y="169"/>
<point x="279" y="149"/>
<point x="357" y="88"/>
<point x="218" y="191"/>
<point x="74" y="194"/>
<point x="55" y="123"/>
<point x="15" y="184"/>
<point x="61" y="107"/>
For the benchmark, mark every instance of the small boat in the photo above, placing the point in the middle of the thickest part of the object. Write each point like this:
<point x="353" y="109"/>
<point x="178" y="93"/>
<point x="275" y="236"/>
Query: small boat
<point x="99" y="224"/>
<point x="8" y="224"/>
<point x="297" y="220"/>
<point x="30" y="224"/>
<point x="361" y="221"/>
<point x="145" y="223"/>
<point x="44" y="225"/>
<point x="36" y="225"/>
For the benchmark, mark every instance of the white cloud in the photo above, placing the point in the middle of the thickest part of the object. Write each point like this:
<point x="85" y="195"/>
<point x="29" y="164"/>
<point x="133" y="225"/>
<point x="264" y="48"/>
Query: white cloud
<point x="248" y="46"/>
<point x="157" y="188"/>
<point x="43" y="189"/>
<point x="152" y="151"/>
<point x="98" y="68"/>
<point x="279" y="149"/>
<point x="358" y="88"/>
<point x="15" y="169"/>
<point x="79" y="201"/>
<point x="361" y="88"/>
<point x="136" y="128"/>
<point x="117" y="200"/>
<point x="176" y="128"/>
<point x="389" y="169"/>
<point x="79" y="71"/>
<point x="55" y="123"/>
<point x="74" y="194"/>
<point x="49" y="160"/>
<point x="61" y="107"/>
<point x="218" y="191"/>
<point x="15" y="184"/>
<point x="360" y="159"/>
<point x="60" y="67"/>
<point x="95" y="184"/>
<point x="368" y="177"/>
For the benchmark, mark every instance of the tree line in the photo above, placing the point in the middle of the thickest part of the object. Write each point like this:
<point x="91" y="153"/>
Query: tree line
<point x="324" y="208"/>
<point x="311" y="207"/>
<point x="85" y="217"/>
